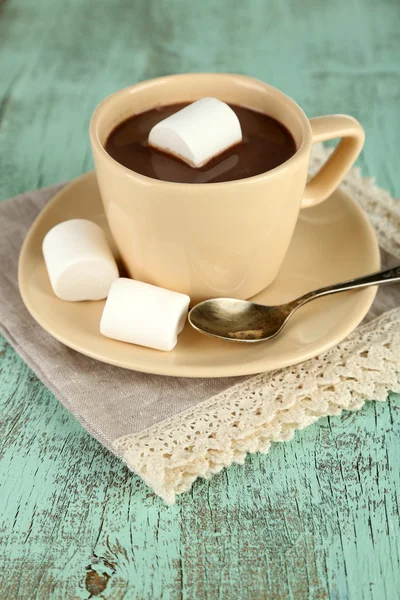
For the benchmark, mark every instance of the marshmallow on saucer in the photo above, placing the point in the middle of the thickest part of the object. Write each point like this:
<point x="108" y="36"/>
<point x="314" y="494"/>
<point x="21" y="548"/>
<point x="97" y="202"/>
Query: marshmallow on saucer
<point x="79" y="261"/>
<point x="144" y="314"/>
<point x="198" y="132"/>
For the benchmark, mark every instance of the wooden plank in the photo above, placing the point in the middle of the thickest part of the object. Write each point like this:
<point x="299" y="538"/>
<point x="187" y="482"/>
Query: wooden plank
<point x="297" y="523"/>
<point x="317" y="517"/>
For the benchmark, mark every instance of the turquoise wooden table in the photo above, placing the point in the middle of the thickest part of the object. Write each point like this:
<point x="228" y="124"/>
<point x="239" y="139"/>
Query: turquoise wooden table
<point x="317" y="517"/>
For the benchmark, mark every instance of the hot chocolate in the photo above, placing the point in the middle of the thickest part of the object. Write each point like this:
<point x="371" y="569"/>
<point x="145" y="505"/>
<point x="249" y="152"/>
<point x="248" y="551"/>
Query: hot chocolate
<point x="266" y="144"/>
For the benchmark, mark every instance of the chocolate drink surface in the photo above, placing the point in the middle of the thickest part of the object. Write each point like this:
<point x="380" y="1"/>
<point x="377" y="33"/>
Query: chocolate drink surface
<point x="266" y="144"/>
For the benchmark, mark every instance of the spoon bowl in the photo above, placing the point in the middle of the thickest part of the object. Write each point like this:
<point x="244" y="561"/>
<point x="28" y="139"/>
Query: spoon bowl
<point x="237" y="320"/>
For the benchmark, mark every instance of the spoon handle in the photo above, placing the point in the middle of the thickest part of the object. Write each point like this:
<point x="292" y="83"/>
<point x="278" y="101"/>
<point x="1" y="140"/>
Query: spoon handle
<point x="389" y="276"/>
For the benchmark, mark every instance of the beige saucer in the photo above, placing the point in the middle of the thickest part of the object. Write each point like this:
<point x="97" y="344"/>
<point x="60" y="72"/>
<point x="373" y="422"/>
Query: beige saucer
<point x="332" y="242"/>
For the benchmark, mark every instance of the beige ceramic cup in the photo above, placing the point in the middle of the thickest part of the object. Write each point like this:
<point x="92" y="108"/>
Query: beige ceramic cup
<point x="215" y="239"/>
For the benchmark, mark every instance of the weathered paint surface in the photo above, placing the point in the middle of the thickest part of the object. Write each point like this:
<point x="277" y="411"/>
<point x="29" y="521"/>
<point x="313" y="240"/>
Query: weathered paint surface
<point x="317" y="517"/>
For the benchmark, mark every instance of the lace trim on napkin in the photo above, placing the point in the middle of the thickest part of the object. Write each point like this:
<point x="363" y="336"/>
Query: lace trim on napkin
<point x="269" y="407"/>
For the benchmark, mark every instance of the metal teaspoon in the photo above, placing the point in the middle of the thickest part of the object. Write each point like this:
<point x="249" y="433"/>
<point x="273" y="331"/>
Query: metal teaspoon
<point x="244" y="321"/>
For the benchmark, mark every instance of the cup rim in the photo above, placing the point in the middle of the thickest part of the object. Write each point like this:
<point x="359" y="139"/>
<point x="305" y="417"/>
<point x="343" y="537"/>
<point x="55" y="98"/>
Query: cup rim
<point x="110" y="100"/>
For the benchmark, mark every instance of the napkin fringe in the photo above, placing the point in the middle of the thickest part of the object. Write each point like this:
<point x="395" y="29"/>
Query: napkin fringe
<point x="267" y="408"/>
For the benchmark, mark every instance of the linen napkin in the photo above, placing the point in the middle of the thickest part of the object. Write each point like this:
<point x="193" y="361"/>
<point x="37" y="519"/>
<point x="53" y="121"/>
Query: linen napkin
<point x="171" y="430"/>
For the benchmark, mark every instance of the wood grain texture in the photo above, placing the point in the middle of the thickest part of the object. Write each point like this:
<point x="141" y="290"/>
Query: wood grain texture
<point x="317" y="517"/>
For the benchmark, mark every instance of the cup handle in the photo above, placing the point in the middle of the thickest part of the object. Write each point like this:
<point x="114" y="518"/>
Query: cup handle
<point x="332" y="172"/>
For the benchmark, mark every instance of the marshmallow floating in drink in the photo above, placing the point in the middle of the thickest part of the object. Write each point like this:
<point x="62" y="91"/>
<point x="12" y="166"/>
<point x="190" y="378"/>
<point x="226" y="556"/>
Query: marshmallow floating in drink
<point x="79" y="261"/>
<point x="143" y="314"/>
<point x="198" y="132"/>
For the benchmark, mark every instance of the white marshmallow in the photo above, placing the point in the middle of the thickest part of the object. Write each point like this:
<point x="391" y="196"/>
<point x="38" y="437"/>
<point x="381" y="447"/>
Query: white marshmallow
<point x="144" y="314"/>
<point x="198" y="132"/>
<point x="79" y="261"/>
